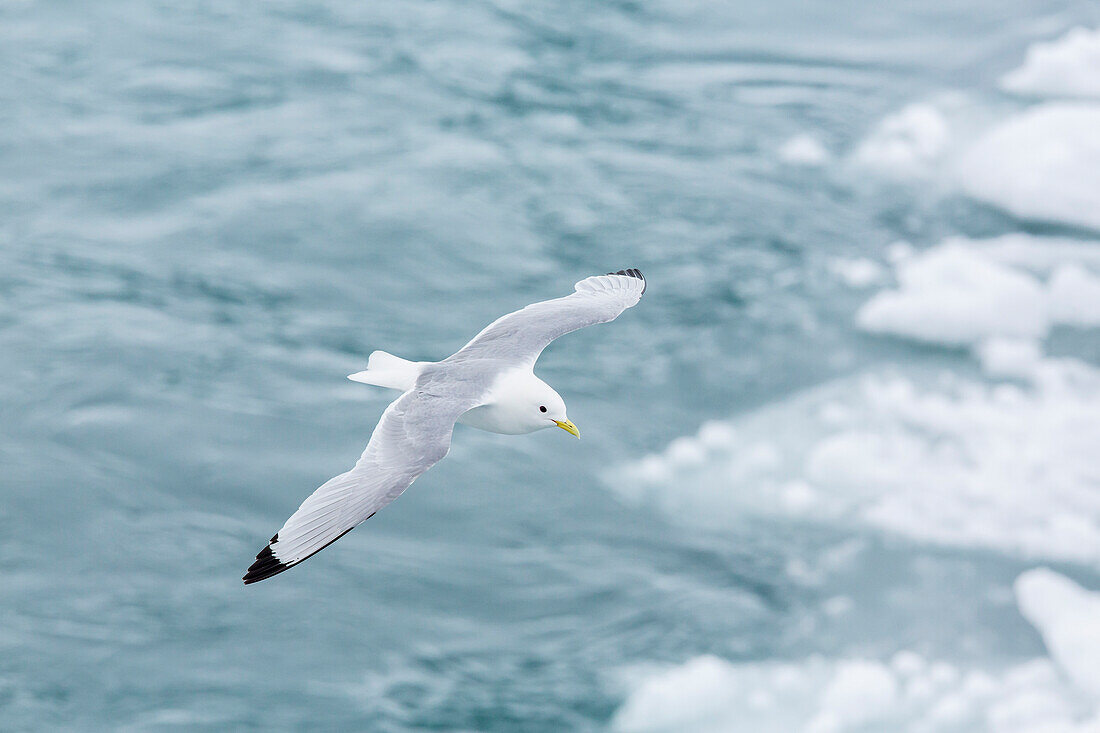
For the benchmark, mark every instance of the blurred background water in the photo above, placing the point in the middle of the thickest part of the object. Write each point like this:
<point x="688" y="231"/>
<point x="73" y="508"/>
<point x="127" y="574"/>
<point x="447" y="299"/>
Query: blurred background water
<point x="823" y="459"/>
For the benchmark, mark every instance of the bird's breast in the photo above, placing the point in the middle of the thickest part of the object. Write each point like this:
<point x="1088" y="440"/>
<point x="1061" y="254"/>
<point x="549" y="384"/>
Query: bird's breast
<point x="493" y="419"/>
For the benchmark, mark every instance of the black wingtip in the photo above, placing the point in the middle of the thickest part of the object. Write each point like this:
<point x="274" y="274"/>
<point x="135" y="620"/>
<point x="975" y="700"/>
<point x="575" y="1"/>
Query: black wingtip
<point x="632" y="272"/>
<point x="266" y="565"/>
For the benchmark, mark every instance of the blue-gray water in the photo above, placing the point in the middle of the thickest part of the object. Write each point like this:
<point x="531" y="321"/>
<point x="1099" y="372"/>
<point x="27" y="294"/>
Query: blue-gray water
<point x="212" y="212"/>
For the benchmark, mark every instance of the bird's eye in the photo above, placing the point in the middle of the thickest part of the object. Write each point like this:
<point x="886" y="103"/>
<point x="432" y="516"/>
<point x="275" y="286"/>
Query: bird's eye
<point x="542" y="408"/>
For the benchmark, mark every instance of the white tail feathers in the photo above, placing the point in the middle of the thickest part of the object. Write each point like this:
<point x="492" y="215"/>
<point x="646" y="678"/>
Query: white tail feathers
<point x="387" y="370"/>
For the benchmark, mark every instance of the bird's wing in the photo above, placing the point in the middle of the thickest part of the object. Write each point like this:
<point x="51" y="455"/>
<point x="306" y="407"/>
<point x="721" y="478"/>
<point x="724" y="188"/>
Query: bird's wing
<point x="413" y="434"/>
<point x="521" y="336"/>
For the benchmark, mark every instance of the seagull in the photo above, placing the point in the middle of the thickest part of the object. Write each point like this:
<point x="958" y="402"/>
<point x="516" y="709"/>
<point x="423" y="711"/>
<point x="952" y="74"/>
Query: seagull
<point x="488" y="384"/>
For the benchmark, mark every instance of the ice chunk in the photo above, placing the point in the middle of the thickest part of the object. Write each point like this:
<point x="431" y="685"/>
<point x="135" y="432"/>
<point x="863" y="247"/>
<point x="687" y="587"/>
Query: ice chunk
<point x="1068" y="618"/>
<point x="954" y="461"/>
<point x="1043" y="165"/>
<point x="858" y="691"/>
<point x="693" y="697"/>
<point x="1041" y="255"/>
<point x="949" y="461"/>
<point x="815" y="695"/>
<point x="964" y="292"/>
<point x="1066" y="67"/>
<point x="1075" y="296"/>
<point x="906" y="142"/>
<point x="857" y="273"/>
<point x="953" y="295"/>
<point x="847" y="695"/>
<point x="1005" y="357"/>
<point x="804" y="150"/>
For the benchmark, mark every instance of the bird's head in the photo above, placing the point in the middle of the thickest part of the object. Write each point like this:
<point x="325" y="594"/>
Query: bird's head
<point x="548" y="408"/>
<point x="531" y="404"/>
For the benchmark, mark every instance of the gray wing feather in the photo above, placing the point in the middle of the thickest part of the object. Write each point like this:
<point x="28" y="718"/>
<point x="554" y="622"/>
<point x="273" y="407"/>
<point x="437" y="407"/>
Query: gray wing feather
<point x="413" y="435"/>
<point x="521" y="336"/>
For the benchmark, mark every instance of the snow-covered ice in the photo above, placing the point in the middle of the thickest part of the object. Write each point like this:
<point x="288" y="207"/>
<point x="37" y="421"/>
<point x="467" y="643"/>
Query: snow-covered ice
<point x="1042" y="164"/>
<point x="906" y="692"/>
<point x="939" y="458"/>
<point x="857" y="272"/>
<point x="905" y="143"/>
<point x="1068" y="618"/>
<point x="804" y="149"/>
<point x="962" y="292"/>
<point x="953" y="295"/>
<point x="1075" y="296"/>
<point x="1009" y="357"/>
<point x="947" y="461"/>
<point x="1068" y="67"/>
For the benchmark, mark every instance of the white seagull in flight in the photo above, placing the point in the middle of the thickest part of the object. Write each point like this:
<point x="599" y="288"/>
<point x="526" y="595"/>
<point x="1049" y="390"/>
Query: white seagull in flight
<point x="488" y="384"/>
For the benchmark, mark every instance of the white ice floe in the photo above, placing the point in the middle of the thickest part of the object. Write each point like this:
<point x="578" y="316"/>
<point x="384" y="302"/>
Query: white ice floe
<point x="949" y="461"/>
<point x="1075" y="296"/>
<point x="1042" y="164"/>
<point x="1009" y="357"/>
<point x="1066" y="67"/>
<point x="859" y="272"/>
<point x="905" y="143"/>
<point x="804" y="150"/>
<point x="907" y="692"/>
<point x="1041" y="255"/>
<point x="944" y="459"/>
<point x="963" y="292"/>
<point x="1068" y="618"/>
<point x="953" y="295"/>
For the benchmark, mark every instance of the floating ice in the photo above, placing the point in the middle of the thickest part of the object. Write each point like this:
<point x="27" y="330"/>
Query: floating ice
<point x="1041" y="255"/>
<point x="950" y="461"/>
<point x="906" y="142"/>
<point x="1007" y="357"/>
<point x="907" y="692"/>
<point x="953" y="295"/>
<point x="1066" y="67"/>
<point x="1068" y="618"/>
<point x="963" y="292"/>
<point x="709" y="695"/>
<point x="859" y="272"/>
<point x="1075" y="296"/>
<point x="1043" y="165"/>
<point x="804" y="150"/>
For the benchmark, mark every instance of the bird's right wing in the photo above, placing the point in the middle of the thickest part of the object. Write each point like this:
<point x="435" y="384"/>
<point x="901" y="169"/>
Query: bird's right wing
<point x="413" y="435"/>
<point x="521" y="336"/>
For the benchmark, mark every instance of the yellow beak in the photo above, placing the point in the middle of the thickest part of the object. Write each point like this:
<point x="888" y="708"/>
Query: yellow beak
<point x="568" y="427"/>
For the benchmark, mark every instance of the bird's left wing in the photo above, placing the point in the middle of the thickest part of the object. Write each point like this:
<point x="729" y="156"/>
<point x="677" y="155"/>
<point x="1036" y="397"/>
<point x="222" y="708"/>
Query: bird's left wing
<point x="413" y="435"/>
<point x="521" y="336"/>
